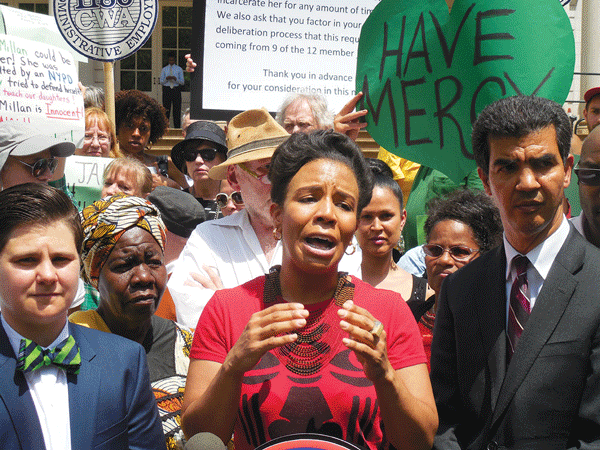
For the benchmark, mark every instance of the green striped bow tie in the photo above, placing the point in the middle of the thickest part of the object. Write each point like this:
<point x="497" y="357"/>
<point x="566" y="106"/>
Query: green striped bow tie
<point x="65" y="355"/>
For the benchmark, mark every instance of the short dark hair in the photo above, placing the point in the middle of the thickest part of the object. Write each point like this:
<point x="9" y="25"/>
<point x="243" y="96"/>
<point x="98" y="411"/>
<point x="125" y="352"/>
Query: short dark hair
<point x="35" y="203"/>
<point x="519" y="116"/>
<point x="473" y="208"/>
<point x="133" y="103"/>
<point x="384" y="177"/>
<point x="302" y="148"/>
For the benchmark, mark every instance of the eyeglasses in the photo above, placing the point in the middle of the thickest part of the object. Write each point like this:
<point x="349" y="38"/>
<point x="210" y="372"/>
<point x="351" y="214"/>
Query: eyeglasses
<point x="264" y="179"/>
<point x="222" y="199"/>
<point x="39" y="167"/>
<point x="458" y="252"/>
<point x="207" y="154"/>
<point x="102" y="138"/>
<point x="588" y="176"/>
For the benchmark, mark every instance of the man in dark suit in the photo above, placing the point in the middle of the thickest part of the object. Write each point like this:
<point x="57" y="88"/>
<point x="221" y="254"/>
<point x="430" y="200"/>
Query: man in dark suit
<point x="516" y="344"/>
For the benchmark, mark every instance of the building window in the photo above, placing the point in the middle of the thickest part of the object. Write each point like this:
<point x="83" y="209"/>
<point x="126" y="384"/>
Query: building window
<point x="136" y="70"/>
<point x="40" y="8"/>
<point x="177" y="36"/>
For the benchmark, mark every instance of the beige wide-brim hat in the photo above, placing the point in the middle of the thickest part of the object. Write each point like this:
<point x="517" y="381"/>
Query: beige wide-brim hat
<point x="251" y="135"/>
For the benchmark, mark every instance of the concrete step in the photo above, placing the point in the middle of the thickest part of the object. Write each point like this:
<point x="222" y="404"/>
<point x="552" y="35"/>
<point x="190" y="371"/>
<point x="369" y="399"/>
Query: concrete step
<point x="174" y="136"/>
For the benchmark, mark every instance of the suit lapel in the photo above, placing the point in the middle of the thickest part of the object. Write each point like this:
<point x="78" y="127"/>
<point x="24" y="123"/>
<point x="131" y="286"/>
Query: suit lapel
<point x="16" y="397"/>
<point x="83" y="394"/>
<point x="492" y="315"/>
<point x="549" y="307"/>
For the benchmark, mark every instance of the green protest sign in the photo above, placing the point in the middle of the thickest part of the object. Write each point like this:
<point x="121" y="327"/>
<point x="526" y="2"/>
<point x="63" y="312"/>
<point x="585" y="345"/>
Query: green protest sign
<point x="426" y="73"/>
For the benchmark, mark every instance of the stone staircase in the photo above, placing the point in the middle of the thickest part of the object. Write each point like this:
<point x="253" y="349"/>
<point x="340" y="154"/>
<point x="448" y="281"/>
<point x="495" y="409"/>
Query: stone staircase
<point x="173" y="136"/>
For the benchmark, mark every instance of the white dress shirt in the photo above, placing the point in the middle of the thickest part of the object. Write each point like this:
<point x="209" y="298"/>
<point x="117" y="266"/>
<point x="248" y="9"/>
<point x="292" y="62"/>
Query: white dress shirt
<point x="50" y="393"/>
<point x="540" y="258"/>
<point x="229" y="246"/>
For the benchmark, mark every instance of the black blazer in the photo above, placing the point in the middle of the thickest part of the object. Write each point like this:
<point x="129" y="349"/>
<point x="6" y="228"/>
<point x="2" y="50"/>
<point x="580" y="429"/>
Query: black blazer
<point x="549" y="395"/>
<point x="111" y="405"/>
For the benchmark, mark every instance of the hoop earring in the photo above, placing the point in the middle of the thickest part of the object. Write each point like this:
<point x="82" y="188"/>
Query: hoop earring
<point x="351" y="252"/>
<point x="276" y="234"/>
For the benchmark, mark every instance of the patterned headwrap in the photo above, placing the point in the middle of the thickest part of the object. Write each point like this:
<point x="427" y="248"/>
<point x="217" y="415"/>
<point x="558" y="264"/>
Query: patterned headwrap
<point x="105" y="221"/>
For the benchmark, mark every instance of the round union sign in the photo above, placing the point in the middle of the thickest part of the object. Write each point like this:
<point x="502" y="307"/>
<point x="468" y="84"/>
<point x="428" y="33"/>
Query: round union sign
<point x="106" y="30"/>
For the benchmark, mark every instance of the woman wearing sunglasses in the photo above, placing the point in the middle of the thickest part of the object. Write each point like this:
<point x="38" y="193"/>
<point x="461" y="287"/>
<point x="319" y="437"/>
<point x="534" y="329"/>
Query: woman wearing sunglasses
<point x="29" y="157"/>
<point x="458" y="229"/>
<point x="229" y="200"/>
<point x="203" y="148"/>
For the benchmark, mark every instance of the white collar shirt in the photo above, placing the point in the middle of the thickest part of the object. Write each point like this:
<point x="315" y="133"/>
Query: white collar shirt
<point x="50" y="393"/>
<point x="540" y="258"/>
<point x="229" y="246"/>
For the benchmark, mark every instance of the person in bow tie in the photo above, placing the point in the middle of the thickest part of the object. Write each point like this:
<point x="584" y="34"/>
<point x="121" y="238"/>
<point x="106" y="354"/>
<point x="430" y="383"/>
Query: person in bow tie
<point x="62" y="386"/>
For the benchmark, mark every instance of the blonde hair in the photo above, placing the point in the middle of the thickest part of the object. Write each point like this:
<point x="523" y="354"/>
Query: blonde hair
<point x="135" y="170"/>
<point x="94" y="114"/>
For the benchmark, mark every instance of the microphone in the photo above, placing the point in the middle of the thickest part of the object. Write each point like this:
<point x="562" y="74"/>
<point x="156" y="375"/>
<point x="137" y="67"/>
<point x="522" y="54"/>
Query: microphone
<point x="205" y="441"/>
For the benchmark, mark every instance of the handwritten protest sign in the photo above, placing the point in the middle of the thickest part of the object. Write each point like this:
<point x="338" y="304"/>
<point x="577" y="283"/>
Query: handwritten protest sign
<point x="34" y="27"/>
<point x="426" y="74"/>
<point x="38" y="86"/>
<point x="84" y="177"/>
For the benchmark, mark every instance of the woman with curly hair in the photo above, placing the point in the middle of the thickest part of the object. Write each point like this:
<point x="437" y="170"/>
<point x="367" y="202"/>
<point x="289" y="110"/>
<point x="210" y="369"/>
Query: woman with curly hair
<point x="141" y="122"/>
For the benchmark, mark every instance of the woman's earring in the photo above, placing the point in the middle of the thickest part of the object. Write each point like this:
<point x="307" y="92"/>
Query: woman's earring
<point x="276" y="234"/>
<point x="353" y="247"/>
<point x="400" y="244"/>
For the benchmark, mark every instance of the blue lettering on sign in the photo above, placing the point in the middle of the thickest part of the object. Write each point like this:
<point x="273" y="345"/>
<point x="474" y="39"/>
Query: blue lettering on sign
<point x="92" y="4"/>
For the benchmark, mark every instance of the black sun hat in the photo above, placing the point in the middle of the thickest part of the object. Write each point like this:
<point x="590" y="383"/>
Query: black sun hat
<point x="201" y="130"/>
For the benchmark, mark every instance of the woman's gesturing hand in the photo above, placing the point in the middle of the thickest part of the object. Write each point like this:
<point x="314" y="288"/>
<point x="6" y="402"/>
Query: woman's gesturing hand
<point x="267" y="329"/>
<point x="370" y="348"/>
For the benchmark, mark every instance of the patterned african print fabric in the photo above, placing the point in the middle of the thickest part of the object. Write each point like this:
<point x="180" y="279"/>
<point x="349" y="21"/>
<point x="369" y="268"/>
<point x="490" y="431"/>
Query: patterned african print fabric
<point x="65" y="355"/>
<point x="167" y="348"/>
<point x="106" y="220"/>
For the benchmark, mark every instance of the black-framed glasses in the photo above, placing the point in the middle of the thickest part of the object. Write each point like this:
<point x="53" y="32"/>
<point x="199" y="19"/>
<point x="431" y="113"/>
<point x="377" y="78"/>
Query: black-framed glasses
<point x="588" y="176"/>
<point x="222" y="198"/>
<point x="207" y="154"/>
<point x="39" y="167"/>
<point x="457" y="252"/>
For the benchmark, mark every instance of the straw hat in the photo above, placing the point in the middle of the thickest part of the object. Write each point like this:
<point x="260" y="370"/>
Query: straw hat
<point x="251" y="135"/>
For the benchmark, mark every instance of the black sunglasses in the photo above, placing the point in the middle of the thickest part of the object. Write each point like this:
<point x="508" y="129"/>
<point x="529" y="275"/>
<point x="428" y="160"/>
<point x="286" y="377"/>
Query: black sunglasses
<point x="39" y="167"/>
<point x="458" y="252"/>
<point x="207" y="154"/>
<point x="223" y="198"/>
<point x="588" y="176"/>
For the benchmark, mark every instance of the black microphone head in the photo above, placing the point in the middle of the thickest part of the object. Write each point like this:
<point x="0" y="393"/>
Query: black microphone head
<point x="205" y="441"/>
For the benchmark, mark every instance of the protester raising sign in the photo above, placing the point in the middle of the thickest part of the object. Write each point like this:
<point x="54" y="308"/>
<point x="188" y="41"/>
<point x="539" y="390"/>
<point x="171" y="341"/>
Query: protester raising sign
<point x="426" y="73"/>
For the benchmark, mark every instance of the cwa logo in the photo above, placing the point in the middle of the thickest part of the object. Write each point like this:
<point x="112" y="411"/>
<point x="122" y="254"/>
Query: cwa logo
<point x="106" y="30"/>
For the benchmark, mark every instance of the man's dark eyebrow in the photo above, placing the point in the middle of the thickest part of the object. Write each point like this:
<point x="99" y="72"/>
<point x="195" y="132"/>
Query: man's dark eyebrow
<point x="548" y="157"/>
<point x="503" y="162"/>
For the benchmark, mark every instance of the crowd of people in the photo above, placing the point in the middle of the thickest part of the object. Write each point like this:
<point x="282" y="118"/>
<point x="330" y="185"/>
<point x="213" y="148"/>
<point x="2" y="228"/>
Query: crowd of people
<point x="260" y="281"/>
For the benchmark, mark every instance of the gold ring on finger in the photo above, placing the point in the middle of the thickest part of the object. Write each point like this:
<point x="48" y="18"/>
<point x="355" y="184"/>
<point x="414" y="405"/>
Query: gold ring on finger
<point x="377" y="329"/>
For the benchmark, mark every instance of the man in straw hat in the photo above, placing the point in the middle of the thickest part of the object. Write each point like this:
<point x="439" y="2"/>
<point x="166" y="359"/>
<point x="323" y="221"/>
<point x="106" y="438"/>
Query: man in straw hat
<point x="227" y="252"/>
<point x="235" y="249"/>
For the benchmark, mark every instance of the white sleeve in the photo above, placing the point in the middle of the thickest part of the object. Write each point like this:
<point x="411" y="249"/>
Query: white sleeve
<point x="80" y="295"/>
<point x="188" y="296"/>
